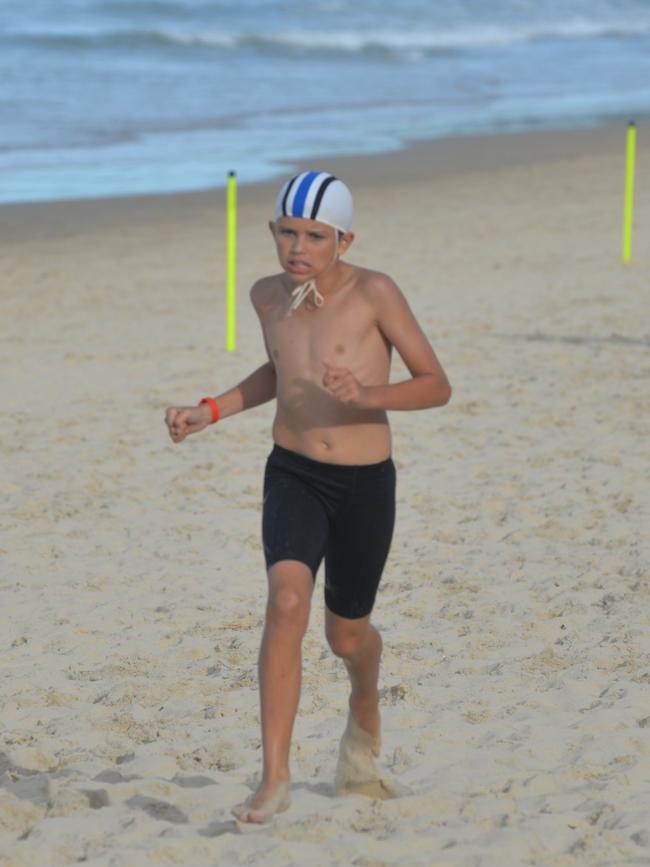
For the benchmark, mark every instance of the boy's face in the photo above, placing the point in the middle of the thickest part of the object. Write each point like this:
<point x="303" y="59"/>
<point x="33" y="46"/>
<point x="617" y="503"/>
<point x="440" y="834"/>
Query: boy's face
<point x="306" y="248"/>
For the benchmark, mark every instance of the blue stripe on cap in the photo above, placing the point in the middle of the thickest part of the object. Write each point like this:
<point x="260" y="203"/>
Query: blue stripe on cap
<point x="301" y="194"/>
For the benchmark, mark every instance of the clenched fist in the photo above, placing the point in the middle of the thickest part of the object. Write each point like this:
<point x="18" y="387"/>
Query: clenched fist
<point x="344" y="385"/>
<point x="184" y="420"/>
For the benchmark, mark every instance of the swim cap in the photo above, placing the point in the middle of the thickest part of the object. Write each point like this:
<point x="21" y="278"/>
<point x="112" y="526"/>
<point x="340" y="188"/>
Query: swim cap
<point x="316" y="196"/>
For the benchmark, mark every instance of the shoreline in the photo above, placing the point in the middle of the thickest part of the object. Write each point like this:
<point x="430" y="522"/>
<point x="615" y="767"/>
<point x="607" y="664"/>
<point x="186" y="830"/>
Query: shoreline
<point x="443" y="157"/>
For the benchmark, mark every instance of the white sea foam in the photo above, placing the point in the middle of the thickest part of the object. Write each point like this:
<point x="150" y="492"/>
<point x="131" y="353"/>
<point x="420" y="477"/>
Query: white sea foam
<point x="407" y="42"/>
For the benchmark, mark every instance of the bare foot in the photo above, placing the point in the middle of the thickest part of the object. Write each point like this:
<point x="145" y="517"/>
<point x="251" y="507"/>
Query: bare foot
<point x="366" y="716"/>
<point x="269" y="799"/>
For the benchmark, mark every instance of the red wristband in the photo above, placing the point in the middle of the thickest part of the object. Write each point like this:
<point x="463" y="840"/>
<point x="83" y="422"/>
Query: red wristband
<point x="214" y="408"/>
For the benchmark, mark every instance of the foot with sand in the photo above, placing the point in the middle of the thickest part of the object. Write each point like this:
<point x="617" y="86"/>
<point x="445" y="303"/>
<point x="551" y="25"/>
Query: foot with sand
<point x="356" y="771"/>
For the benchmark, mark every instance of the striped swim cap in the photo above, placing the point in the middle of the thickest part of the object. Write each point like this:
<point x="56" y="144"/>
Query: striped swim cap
<point x="316" y="196"/>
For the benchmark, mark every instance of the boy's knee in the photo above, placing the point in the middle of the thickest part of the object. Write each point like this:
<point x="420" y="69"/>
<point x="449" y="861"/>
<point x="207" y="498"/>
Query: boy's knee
<point x="287" y="607"/>
<point x="347" y="644"/>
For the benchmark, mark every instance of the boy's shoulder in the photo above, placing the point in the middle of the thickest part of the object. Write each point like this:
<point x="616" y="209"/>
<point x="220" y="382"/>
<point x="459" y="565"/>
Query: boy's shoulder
<point x="265" y="290"/>
<point x="377" y="280"/>
<point x="376" y="286"/>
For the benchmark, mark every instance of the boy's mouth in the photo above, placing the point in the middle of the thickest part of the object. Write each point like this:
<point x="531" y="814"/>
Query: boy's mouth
<point x="298" y="267"/>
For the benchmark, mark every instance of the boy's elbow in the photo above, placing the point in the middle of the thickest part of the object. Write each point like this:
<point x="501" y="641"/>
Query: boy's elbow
<point x="434" y="390"/>
<point x="441" y="392"/>
<point x="445" y="394"/>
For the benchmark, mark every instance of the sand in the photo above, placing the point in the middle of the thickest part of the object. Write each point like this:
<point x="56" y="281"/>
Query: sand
<point x="515" y="604"/>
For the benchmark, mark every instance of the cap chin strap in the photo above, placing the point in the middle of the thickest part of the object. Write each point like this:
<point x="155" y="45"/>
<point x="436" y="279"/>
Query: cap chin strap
<point x="301" y="292"/>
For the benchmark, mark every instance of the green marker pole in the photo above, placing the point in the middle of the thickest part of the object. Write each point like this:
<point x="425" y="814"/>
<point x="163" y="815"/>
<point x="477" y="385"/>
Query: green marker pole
<point x="629" y="191"/>
<point x="231" y="263"/>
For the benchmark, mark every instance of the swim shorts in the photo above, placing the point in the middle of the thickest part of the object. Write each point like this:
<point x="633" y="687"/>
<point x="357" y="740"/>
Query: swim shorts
<point x="345" y="514"/>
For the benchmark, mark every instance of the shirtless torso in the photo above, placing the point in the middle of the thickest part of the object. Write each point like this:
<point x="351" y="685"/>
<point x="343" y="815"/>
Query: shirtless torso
<point x="329" y="365"/>
<point x="343" y="332"/>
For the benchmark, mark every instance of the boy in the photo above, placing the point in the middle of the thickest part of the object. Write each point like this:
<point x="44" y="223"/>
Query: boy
<point x="329" y="486"/>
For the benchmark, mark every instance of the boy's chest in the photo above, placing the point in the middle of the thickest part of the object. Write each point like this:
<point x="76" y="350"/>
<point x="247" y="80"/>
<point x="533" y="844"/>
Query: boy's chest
<point x="305" y="338"/>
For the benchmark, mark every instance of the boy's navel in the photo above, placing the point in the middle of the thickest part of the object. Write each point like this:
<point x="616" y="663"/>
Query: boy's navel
<point x="340" y="348"/>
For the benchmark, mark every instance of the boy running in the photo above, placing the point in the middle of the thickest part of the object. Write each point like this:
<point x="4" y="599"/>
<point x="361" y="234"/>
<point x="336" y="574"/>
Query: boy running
<point x="329" y="487"/>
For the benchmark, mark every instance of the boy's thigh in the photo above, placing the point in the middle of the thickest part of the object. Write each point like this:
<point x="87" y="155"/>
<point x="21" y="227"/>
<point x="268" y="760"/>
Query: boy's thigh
<point x="291" y="576"/>
<point x="358" y="547"/>
<point x="295" y="527"/>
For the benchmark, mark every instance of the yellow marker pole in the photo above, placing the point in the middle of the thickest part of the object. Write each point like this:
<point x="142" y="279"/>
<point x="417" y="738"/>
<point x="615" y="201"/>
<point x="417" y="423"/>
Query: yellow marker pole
<point x="231" y="263"/>
<point x="629" y="191"/>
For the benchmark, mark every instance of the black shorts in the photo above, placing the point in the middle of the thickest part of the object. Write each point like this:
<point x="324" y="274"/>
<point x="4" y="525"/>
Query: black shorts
<point x="343" y="513"/>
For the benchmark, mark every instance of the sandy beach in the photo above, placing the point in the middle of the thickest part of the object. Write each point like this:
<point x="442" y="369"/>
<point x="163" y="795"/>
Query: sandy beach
<point x="515" y="607"/>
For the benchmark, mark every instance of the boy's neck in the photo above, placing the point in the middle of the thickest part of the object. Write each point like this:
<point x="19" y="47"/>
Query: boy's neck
<point x="329" y="281"/>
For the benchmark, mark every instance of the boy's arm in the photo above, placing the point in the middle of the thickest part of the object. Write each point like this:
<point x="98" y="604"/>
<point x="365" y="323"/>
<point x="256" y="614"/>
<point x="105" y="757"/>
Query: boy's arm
<point x="259" y="387"/>
<point x="428" y="385"/>
<point x="256" y="389"/>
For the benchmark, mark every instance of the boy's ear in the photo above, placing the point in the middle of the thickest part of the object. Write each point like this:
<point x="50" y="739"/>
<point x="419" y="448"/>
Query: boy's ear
<point x="345" y="240"/>
<point x="272" y="227"/>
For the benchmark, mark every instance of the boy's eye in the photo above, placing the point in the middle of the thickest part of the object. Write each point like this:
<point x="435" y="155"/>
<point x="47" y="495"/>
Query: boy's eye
<point x="291" y="233"/>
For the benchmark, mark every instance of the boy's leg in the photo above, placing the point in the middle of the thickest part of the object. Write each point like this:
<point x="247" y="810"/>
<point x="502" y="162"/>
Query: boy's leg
<point x="290" y="589"/>
<point x="356" y="553"/>
<point x="359" y="645"/>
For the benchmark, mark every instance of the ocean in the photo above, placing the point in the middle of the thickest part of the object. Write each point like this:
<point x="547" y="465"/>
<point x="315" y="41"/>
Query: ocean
<point x="121" y="97"/>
